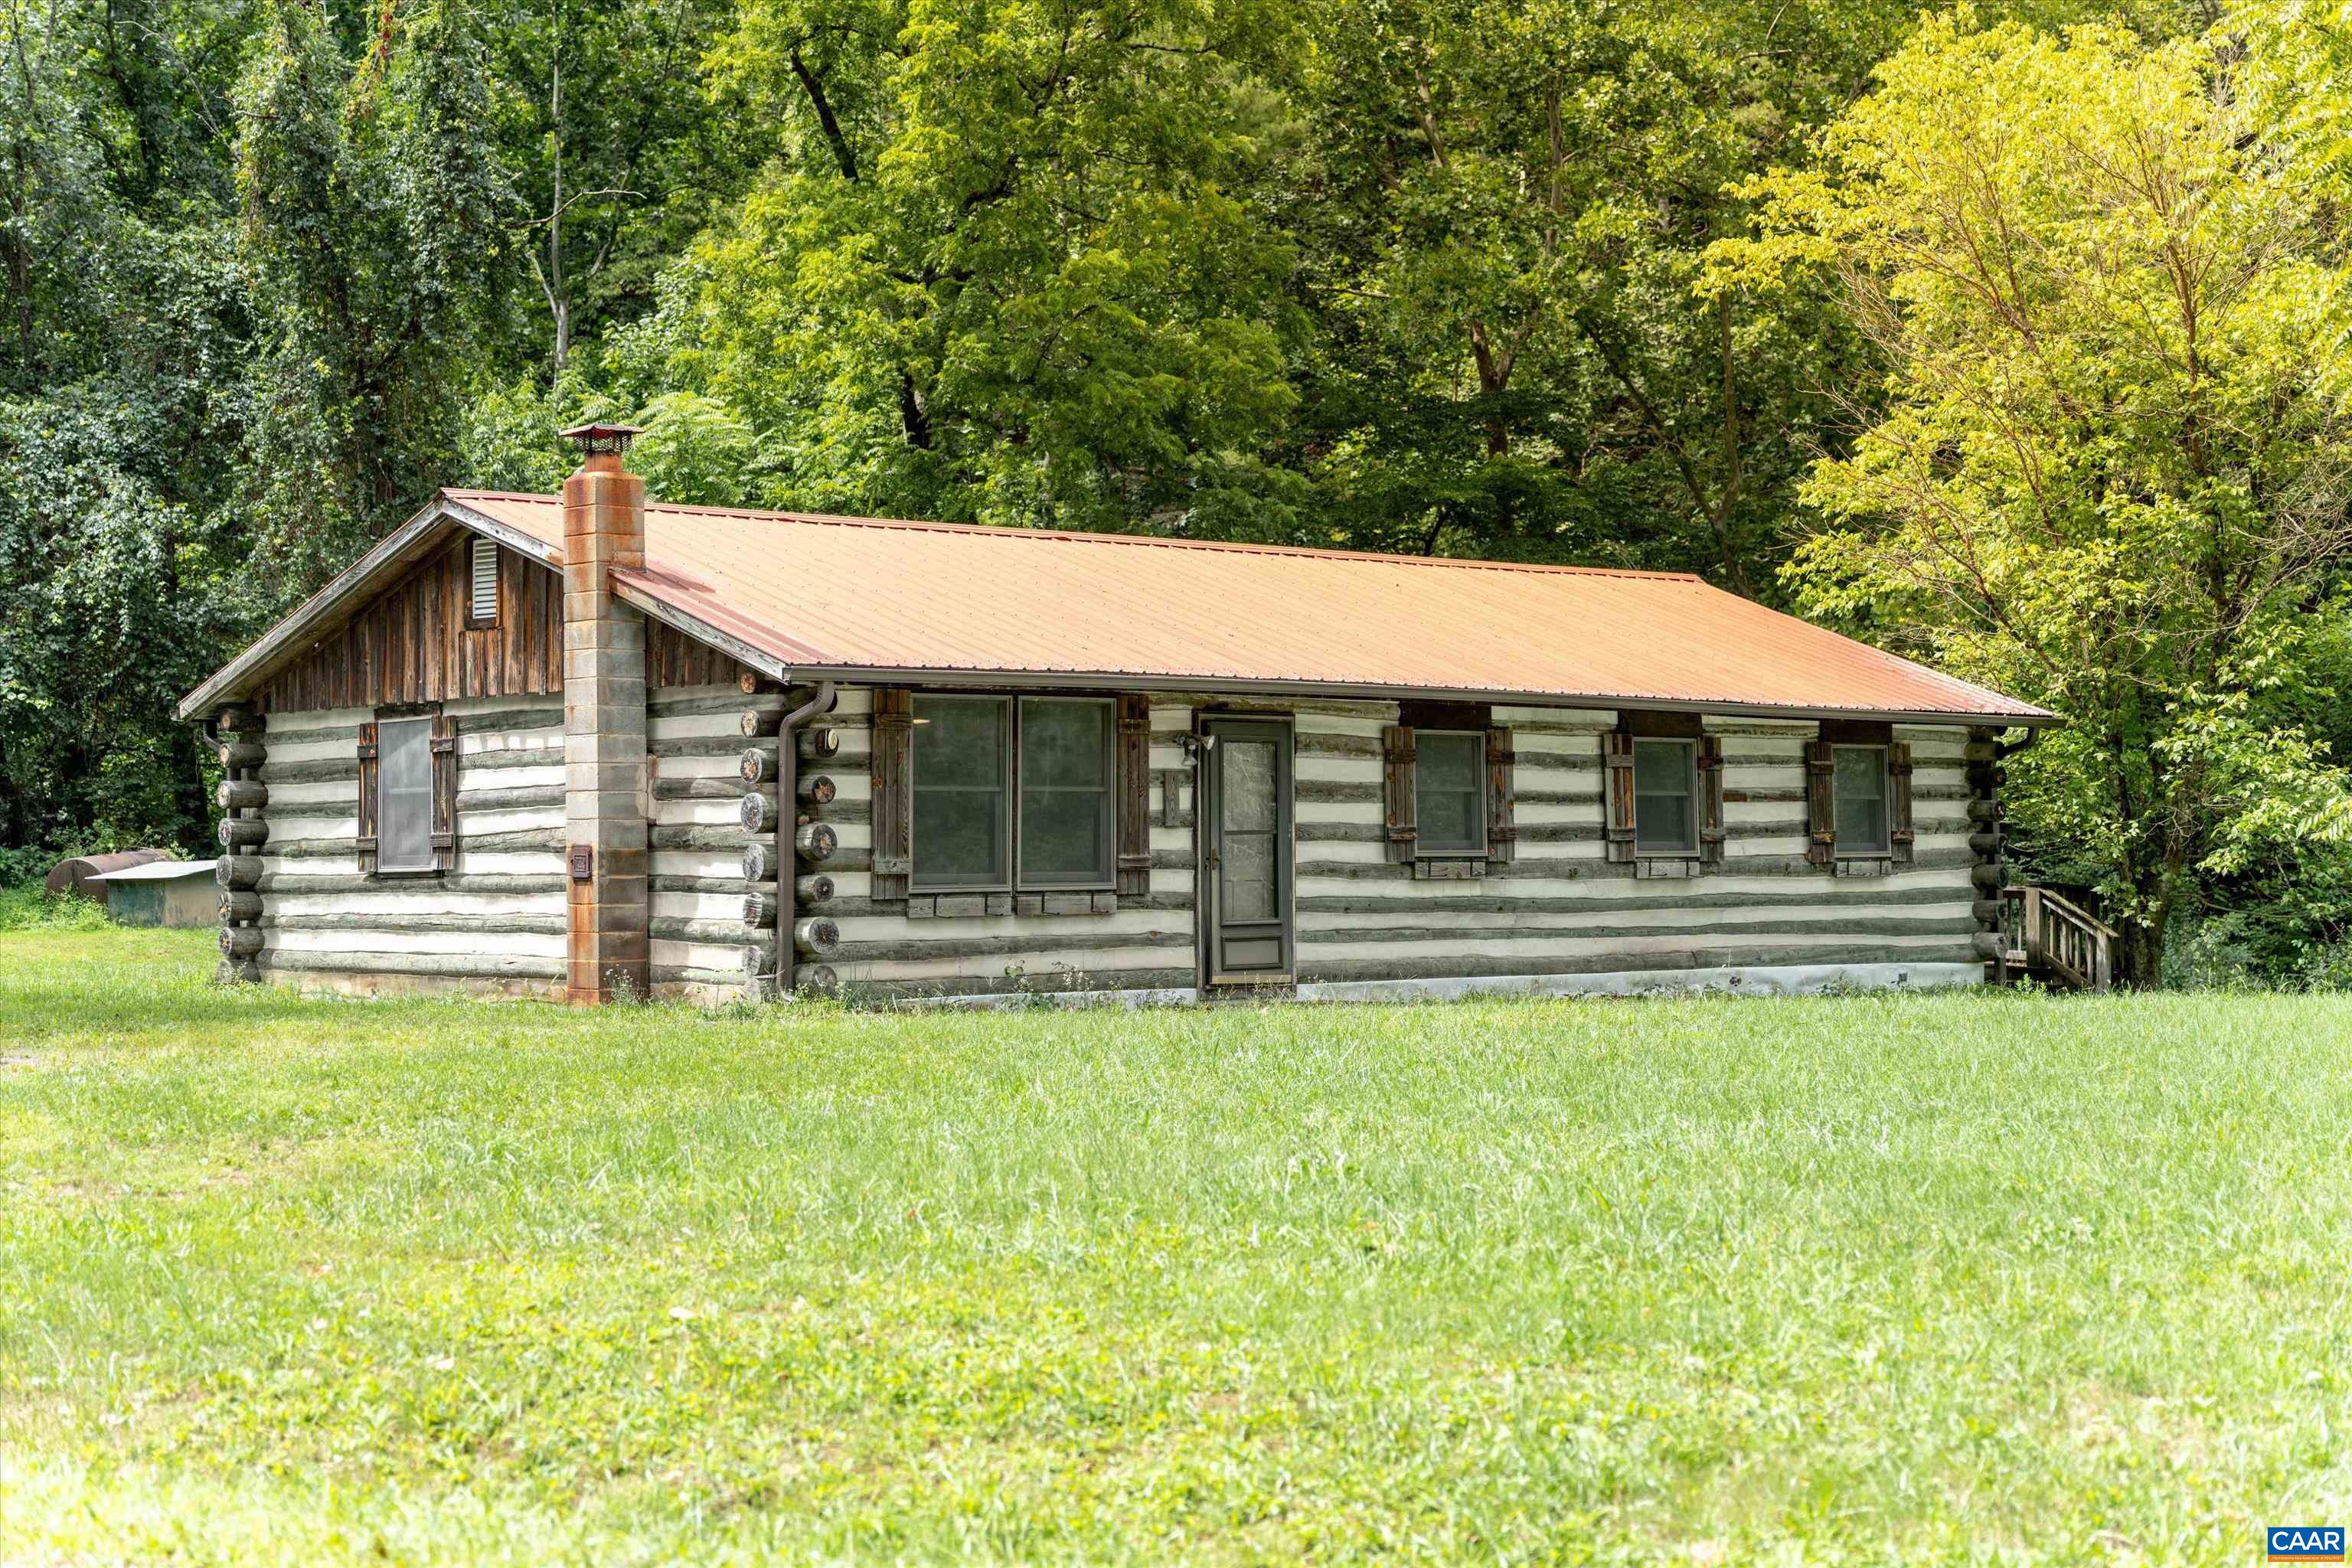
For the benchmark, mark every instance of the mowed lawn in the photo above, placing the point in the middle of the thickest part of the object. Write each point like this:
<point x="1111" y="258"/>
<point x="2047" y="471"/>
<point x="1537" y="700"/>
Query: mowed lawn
<point x="1911" y="1279"/>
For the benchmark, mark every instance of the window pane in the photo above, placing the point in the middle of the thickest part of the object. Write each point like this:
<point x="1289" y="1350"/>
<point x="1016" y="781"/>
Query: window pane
<point x="1065" y="795"/>
<point x="958" y="742"/>
<point x="1245" y="777"/>
<point x="1860" y="783"/>
<point x="1064" y="742"/>
<point x="1661" y="767"/>
<point x="1247" y="813"/>
<point x="1450" y="792"/>
<point x="959" y="837"/>
<point x="959" y="756"/>
<point x="404" y="795"/>
<point x="1063" y="838"/>
<point x="1246" y="864"/>
<point x="1664" y="814"/>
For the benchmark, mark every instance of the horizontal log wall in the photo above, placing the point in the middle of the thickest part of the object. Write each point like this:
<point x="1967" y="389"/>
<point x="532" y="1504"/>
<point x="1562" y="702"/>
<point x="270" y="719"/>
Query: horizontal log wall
<point x="1147" y="943"/>
<point x="498" y="919"/>
<point x="701" y="946"/>
<point x="495" y="921"/>
<point x="411" y="643"/>
<point x="1559" y="908"/>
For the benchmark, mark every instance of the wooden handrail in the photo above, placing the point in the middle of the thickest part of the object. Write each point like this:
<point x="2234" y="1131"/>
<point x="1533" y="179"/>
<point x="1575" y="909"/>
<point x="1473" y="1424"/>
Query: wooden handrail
<point x="2061" y="937"/>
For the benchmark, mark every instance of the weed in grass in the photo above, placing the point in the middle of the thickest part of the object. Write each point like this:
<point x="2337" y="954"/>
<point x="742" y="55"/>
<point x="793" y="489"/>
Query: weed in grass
<point x="30" y="908"/>
<point x="1877" y="1279"/>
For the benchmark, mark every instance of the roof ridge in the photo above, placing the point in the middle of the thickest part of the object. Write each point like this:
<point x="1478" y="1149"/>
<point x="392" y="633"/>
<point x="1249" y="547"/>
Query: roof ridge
<point x="1049" y="536"/>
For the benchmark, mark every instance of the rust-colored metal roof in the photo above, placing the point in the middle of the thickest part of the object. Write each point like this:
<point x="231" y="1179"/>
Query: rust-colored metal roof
<point x="850" y="596"/>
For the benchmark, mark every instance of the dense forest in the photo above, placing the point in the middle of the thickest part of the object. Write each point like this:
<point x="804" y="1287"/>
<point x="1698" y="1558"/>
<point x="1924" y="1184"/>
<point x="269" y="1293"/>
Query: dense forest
<point x="2012" y="338"/>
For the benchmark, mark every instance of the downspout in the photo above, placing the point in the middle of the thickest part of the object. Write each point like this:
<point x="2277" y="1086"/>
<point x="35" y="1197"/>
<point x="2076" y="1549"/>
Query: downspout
<point x="787" y="818"/>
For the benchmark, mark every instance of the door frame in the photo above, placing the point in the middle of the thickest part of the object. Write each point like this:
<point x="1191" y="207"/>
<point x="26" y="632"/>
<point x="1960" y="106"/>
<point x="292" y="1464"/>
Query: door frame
<point x="1208" y="782"/>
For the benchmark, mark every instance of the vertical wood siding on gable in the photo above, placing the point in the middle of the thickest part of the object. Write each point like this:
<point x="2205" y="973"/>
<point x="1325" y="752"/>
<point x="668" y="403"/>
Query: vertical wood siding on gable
<point x="676" y="660"/>
<point x="411" y="644"/>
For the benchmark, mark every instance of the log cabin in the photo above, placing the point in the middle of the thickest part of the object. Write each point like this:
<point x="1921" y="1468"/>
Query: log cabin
<point x="585" y="747"/>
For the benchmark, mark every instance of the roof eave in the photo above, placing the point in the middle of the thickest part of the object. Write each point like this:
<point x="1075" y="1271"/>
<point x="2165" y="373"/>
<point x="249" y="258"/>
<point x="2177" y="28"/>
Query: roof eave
<point x="317" y="614"/>
<point x="2019" y="718"/>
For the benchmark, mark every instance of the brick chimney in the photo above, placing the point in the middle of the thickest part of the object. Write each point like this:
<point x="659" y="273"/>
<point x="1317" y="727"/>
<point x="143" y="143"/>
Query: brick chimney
<point x="608" y="853"/>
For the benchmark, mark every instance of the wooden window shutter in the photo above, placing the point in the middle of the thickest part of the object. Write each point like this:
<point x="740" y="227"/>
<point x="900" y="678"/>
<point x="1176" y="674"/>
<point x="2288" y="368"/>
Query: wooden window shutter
<point x="1617" y="796"/>
<point x="445" y="791"/>
<point x="1501" y="831"/>
<point x="1134" y="797"/>
<point x="1821" y="803"/>
<point x="1396" y="756"/>
<point x="1899" y="834"/>
<point x="1710" y="800"/>
<point x="366" y="842"/>
<point x="894" y="799"/>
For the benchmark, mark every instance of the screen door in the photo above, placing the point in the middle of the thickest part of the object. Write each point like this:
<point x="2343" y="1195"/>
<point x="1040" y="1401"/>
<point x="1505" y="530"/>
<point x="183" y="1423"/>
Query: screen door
<point x="1246" y="850"/>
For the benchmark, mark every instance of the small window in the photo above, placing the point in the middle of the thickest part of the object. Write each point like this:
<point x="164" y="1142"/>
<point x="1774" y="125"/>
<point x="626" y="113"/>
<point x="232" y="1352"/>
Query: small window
<point x="484" y="610"/>
<point x="1666" y="798"/>
<point x="1859" y="787"/>
<point x="404" y="794"/>
<point x="1066" y="792"/>
<point x="1450" y="792"/>
<point x="959" y="764"/>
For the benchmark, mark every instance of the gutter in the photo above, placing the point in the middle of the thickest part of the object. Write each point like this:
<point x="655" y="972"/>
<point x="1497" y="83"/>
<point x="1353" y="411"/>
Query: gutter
<point x="787" y="818"/>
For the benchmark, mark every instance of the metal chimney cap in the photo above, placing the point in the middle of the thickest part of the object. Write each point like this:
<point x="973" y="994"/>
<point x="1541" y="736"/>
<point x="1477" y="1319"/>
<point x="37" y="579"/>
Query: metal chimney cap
<point x="597" y="438"/>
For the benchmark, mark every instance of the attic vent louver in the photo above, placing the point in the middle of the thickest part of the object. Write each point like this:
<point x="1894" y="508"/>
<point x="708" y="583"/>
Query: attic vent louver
<point x="485" y="582"/>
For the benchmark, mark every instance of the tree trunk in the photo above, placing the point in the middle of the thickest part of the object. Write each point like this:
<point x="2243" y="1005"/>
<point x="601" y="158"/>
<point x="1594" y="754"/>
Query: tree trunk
<point x="1493" y="376"/>
<point x="914" y="419"/>
<point x="558" y="296"/>
<point x="2139" y="961"/>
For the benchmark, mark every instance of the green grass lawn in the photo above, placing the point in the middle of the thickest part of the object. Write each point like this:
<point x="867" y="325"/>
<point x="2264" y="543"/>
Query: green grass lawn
<point x="1957" y="1279"/>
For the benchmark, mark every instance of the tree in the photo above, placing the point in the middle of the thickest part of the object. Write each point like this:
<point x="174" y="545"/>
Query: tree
<point x="1000" y="269"/>
<point x="2111" y="470"/>
<point x="1506" y="209"/>
<point x="617" y="151"/>
<point x="372" y="206"/>
<point x="119" y="414"/>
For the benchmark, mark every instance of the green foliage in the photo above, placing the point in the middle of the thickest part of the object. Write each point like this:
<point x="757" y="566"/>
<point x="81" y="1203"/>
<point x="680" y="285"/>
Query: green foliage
<point x="118" y="385"/>
<point x="1006" y="268"/>
<point x="1829" y="1281"/>
<point x="25" y="906"/>
<point x="1549" y="281"/>
<point x="2109" y="472"/>
<point x="694" y="450"/>
<point x="372" y="201"/>
<point x="1509" y="206"/>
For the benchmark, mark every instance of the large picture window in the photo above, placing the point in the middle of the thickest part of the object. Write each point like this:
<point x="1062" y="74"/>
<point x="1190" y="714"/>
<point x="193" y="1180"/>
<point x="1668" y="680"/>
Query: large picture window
<point x="1860" y="780"/>
<point x="1450" y="791"/>
<point x="1666" y="798"/>
<point x="1012" y="794"/>
<point x="404" y="794"/>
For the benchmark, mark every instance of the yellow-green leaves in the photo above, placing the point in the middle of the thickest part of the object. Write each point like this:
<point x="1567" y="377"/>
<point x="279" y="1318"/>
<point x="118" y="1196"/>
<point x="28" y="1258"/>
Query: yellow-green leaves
<point x="2113" y="458"/>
